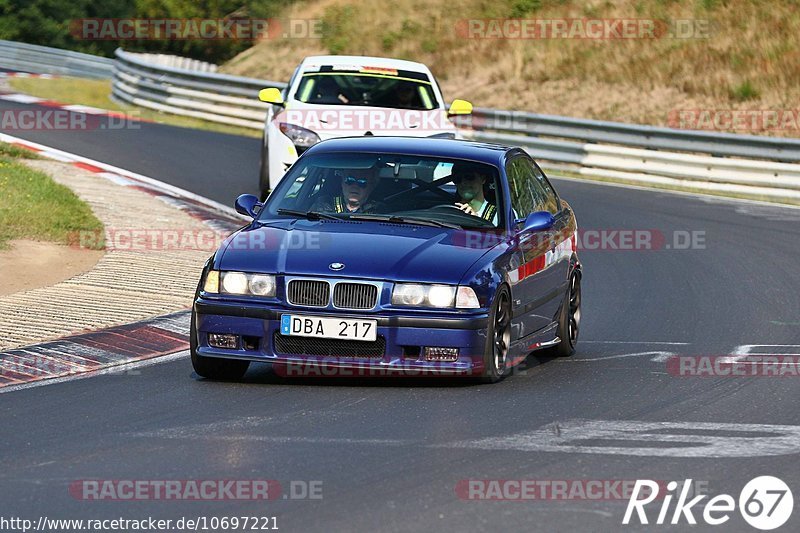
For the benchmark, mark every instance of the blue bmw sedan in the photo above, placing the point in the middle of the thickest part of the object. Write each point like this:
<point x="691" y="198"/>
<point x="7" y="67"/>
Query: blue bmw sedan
<point x="394" y="256"/>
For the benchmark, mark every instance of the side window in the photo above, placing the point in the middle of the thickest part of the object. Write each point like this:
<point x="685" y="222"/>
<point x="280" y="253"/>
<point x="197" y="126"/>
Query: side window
<point x="527" y="193"/>
<point x="551" y="199"/>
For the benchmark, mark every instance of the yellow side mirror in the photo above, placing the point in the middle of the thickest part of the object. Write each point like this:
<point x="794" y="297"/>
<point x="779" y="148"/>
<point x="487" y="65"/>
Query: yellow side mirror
<point x="460" y="107"/>
<point x="272" y="96"/>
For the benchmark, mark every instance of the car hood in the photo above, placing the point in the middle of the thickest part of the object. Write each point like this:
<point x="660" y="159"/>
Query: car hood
<point x="368" y="250"/>
<point x="333" y="121"/>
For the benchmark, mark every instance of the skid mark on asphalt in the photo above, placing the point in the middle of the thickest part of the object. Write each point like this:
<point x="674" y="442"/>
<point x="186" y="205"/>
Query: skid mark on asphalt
<point x="650" y="439"/>
<point x="608" y="437"/>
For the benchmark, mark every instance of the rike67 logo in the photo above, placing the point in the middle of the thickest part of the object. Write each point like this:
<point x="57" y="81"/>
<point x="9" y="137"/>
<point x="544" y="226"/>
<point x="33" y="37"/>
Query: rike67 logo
<point x="765" y="503"/>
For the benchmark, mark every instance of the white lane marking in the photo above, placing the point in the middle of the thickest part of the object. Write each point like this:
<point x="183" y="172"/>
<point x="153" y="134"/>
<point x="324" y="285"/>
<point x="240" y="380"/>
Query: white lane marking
<point x="116" y="178"/>
<point x="21" y="98"/>
<point x="658" y="357"/>
<point x="745" y="350"/>
<point x="678" y="439"/>
<point x="77" y="108"/>
<point x="56" y="156"/>
<point x="115" y="369"/>
<point x="637" y="342"/>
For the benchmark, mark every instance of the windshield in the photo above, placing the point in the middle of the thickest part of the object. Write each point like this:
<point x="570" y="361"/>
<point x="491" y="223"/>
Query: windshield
<point x="388" y="88"/>
<point x="403" y="188"/>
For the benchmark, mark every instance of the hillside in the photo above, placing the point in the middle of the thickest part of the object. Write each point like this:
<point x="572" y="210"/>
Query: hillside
<point x="748" y="59"/>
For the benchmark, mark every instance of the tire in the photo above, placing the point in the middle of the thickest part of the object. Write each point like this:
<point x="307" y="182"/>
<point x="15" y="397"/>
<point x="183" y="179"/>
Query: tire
<point x="569" y="319"/>
<point x="263" y="172"/>
<point x="214" y="368"/>
<point x="498" y="337"/>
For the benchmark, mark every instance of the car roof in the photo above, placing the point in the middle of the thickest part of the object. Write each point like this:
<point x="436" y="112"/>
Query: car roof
<point x="363" y="61"/>
<point x="493" y="154"/>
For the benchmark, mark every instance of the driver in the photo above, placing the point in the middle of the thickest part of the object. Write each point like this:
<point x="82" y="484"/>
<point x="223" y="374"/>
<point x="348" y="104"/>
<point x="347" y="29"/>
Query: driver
<point x="357" y="185"/>
<point x="470" y="179"/>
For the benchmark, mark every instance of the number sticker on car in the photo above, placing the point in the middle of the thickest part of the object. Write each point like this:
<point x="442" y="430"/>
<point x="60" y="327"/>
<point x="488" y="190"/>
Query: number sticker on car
<point x="329" y="328"/>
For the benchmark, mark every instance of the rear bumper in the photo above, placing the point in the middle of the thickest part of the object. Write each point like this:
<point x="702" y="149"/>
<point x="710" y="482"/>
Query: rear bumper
<point x="402" y="352"/>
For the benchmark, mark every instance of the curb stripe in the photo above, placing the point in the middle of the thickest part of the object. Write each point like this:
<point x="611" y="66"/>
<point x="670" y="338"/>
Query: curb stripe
<point x="92" y="352"/>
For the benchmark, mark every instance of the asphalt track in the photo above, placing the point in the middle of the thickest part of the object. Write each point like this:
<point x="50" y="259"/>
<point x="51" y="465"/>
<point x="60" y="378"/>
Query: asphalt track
<point x="390" y="453"/>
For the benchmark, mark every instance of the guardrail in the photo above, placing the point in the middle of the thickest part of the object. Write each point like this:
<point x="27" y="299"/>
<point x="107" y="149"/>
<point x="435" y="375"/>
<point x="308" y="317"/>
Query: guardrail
<point x="45" y="60"/>
<point x="635" y="135"/>
<point x="205" y="95"/>
<point x="749" y="164"/>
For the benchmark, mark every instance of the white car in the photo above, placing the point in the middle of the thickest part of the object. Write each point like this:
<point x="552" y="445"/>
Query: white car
<point x="346" y="96"/>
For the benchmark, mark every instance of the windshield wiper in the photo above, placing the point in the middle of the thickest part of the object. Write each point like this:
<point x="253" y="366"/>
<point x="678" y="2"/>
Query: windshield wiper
<point x="310" y="215"/>
<point x="405" y="220"/>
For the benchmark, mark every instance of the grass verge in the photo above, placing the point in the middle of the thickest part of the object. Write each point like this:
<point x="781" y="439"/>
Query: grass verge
<point x="96" y="93"/>
<point x="36" y="207"/>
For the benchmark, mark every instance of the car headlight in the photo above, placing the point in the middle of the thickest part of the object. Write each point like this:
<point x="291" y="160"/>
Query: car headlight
<point x="438" y="296"/>
<point x="212" y="281"/>
<point x="239" y="283"/>
<point x="262" y="285"/>
<point x="300" y="137"/>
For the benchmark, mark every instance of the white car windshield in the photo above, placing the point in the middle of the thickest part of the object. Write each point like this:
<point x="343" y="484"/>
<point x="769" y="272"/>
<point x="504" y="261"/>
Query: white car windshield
<point x="439" y="191"/>
<point x="386" y="88"/>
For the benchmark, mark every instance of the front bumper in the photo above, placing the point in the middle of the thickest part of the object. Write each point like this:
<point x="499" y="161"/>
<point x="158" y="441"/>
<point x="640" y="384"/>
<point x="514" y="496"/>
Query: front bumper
<point x="404" y="336"/>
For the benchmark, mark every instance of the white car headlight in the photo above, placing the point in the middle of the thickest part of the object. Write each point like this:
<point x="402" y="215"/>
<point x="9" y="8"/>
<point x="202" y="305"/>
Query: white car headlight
<point x="234" y="282"/>
<point x="441" y="295"/>
<point x="408" y="294"/>
<point x="419" y="295"/>
<point x="262" y="285"/>
<point x="239" y="283"/>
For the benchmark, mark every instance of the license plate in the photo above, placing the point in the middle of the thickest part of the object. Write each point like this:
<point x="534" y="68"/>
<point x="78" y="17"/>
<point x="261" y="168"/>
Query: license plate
<point x="329" y="328"/>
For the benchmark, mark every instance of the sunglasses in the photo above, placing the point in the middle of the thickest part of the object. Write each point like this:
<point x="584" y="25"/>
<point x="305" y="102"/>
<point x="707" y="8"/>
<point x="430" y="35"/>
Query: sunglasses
<point x="361" y="182"/>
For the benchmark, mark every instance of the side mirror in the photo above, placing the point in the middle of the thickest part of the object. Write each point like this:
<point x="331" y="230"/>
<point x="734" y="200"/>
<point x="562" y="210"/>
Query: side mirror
<point x="271" y="95"/>
<point x="248" y="204"/>
<point x="538" y="221"/>
<point x="460" y="107"/>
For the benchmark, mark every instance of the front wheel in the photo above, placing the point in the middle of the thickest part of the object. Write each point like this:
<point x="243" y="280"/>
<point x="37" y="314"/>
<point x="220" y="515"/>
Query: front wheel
<point x="214" y="367"/>
<point x="498" y="338"/>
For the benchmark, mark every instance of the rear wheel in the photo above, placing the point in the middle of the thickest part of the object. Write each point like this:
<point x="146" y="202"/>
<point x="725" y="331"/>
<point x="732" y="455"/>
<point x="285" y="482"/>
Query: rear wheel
<point x="570" y="318"/>
<point x="498" y="338"/>
<point x="214" y="367"/>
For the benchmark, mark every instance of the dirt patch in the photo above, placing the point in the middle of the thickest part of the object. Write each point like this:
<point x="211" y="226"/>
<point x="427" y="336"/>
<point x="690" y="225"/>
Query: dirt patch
<point x="32" y="264"/>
